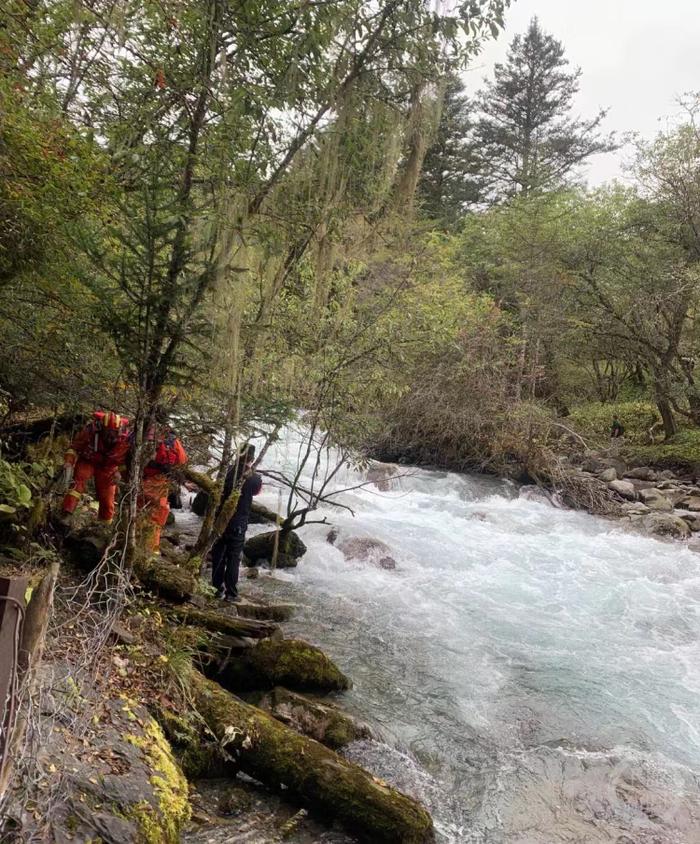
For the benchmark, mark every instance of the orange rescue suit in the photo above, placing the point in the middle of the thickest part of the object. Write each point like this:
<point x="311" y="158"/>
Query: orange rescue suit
<point x="156" y="483"/>
<point x="98" y="451"/>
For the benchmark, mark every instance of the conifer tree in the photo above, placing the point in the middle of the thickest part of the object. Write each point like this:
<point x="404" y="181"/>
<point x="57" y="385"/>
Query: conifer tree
<point x="448" y="184"/>
<point x="526" y="137"/>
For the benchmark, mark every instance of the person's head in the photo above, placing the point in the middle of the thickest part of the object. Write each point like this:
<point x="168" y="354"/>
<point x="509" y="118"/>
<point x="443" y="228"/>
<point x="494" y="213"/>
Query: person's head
<point x="111" y="424"/>
<point x="246" y="455"/>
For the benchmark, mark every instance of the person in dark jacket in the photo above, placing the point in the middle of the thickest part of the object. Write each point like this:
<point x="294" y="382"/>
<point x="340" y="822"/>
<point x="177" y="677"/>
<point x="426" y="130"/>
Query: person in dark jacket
<point x="226" y="551"/>
<point x="616" y="430"/>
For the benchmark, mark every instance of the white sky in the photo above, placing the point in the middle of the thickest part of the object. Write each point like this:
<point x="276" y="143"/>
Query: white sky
<point x="636" y="57"/>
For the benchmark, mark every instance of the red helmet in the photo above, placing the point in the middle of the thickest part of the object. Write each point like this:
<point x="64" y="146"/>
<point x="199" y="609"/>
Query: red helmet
<point x="110" y="421"/>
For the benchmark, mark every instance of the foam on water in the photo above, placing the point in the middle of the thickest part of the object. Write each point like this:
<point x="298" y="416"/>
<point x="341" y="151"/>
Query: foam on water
<point x="540" y="668"/>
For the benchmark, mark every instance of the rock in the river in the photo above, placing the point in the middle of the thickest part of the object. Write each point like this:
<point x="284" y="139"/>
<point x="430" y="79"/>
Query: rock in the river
<point x="319" y="720"/>
<point x="623" y="488"/>
<point x="641" y="473"/>
<point x="608" y="475"/>
<point x="666" y="524"/>
<point x="655" y="499"/>
<point x="287" y="548"/>
<point x="364" y="548"/>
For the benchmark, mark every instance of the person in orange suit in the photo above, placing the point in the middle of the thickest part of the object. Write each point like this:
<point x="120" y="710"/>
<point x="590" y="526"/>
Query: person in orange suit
<point x="169" y="454"/>
<point x="99" y="451"/>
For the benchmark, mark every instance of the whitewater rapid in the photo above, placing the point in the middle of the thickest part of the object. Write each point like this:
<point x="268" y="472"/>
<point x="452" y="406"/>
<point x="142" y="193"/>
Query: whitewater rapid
<point x="534" y="672"/>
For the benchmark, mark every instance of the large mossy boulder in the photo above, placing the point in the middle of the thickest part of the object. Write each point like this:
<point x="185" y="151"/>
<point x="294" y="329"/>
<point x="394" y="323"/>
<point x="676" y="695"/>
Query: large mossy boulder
<point x="317" y="719"/>
<point x="292" y="663"/>
<point x="119" y="783"/>
<point x="284" y="548"/>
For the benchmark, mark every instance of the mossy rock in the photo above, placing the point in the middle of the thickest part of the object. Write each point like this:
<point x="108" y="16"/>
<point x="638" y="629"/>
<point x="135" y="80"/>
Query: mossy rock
<point x="291" y="663"/>
<point x="285" y="549"/>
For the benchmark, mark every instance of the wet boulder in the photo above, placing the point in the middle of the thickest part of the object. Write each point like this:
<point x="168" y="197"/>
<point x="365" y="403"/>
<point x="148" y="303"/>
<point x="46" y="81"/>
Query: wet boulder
<point x="666" y="524"/>
<point x="363" y="548"/>
<point x="285" y="548"/>
<point x="608" y="475"/>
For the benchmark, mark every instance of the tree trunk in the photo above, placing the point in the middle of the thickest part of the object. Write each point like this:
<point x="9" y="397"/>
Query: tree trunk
<point x="270" y="752"/>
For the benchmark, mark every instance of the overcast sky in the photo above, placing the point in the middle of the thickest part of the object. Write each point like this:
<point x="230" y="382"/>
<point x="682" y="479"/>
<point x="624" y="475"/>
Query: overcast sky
<point x="636" y="56"/>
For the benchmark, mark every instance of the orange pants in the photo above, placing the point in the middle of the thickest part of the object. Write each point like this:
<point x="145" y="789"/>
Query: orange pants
<point x="154" y="500"/>
<point x="105" y="488"/>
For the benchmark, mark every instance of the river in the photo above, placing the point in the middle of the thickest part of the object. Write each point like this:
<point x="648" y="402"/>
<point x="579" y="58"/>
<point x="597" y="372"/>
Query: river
<point x="534" y="672"/>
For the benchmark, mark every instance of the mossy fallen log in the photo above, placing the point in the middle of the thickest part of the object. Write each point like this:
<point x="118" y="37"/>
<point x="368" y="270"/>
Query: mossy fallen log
<point x="165" y="579"/>
<point x="316" y="719"/>
<point x="272" y="753"/>
<point x="291" y="663"/>
<point x="231" y="625"/>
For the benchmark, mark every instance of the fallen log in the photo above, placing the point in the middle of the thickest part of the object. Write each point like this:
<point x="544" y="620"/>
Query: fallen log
<point x="317" y="719"/>
<point x="272" y="753"/>
<point x="231" y="625"/>
<point x="165" y="579"/>
<point x="290" y="663"/>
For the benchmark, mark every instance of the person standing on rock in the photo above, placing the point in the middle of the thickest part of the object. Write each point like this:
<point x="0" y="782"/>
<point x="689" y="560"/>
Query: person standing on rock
<point x="228" y="548"/>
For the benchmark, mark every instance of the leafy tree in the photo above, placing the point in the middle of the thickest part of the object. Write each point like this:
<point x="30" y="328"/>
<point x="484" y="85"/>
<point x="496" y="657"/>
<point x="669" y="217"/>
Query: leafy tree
<point x="526" y="137"/>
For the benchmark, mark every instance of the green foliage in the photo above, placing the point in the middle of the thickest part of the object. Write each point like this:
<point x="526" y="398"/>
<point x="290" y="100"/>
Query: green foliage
<point x="681" y="452"/>
<point x="15" y="490"/>
<point x="594" y="421"/>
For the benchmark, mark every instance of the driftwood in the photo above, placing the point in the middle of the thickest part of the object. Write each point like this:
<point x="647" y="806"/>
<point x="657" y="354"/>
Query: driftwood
<point x="272" y="753"/>
<point x="290" y="663"/>
<point x="230" y="625"/>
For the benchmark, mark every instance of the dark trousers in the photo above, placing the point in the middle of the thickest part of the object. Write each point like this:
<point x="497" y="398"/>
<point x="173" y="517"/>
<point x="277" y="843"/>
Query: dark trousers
<point x="225" y="561"/>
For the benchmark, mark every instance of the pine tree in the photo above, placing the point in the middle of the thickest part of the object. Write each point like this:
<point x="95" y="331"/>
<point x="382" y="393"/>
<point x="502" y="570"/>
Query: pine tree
<point x="448" y="185"/>
<point x="526" y="138"/>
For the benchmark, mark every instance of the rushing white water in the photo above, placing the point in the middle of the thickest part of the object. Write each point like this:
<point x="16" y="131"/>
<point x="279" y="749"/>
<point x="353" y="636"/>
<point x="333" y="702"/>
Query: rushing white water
<point x="535" y="672"/>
